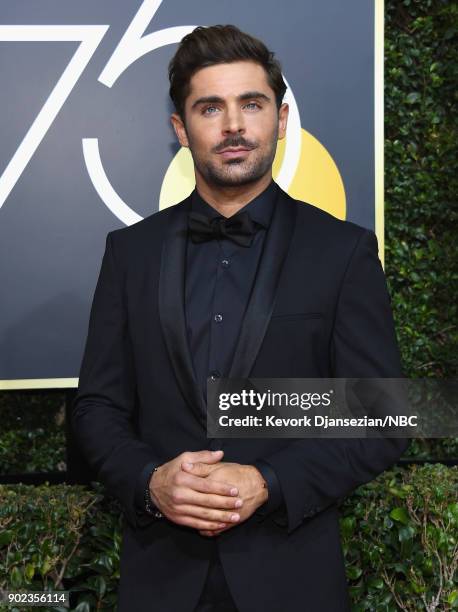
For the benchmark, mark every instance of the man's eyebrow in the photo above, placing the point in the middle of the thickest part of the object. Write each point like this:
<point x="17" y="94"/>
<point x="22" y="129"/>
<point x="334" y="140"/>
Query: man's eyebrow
<point x="253" y="94"/>
<point x="207" y="100"/>
<point x="217" y="100"/>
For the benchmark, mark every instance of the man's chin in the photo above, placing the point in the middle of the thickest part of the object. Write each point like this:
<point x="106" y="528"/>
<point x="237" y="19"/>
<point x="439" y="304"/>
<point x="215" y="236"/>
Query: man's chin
<point x="233" y="181"/>
<point x="235" y="176"/>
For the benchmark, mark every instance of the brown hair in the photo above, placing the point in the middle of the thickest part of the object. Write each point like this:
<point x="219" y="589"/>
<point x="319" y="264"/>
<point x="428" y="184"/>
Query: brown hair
<point x="219" y="44"/>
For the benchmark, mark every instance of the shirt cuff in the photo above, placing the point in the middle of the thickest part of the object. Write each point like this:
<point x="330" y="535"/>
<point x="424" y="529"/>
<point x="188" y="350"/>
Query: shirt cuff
<point x="275" y="498"/>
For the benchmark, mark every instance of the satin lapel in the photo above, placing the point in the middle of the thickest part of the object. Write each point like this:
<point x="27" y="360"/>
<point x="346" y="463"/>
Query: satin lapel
<point x="262" y="299"/>
<point x="172" y="307"/>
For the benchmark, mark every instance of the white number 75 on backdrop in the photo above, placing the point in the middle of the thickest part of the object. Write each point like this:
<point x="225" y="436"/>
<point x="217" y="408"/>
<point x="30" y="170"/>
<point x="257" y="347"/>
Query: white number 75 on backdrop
<point x="130" y="48"/>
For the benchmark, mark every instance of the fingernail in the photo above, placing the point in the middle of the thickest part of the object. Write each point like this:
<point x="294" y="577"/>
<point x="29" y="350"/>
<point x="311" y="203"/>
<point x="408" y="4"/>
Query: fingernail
<point x="188" y="465"/>
<point x="216" y="452"/>
<point x="234" y="491"/>
<point x="238" y="503"/>
<point x="235" y="517"/>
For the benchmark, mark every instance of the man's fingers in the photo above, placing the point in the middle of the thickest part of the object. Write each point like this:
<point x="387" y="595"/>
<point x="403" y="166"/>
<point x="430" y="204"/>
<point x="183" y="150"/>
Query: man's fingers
<point x="198" y="468"/>
<point x="215" y="532"/>
<point x="191" y="521"/>
<point x="206" y="456"/>
<point x="210" y="514"/>
<point x="207" y="500"/>
<point x="204" y="485"/>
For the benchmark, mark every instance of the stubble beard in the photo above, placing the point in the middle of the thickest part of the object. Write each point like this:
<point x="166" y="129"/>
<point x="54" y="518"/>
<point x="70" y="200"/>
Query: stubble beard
<point x="236" y="172"/>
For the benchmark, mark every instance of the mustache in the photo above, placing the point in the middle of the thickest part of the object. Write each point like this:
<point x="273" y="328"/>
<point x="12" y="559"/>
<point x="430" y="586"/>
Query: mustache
<point x="235" y="142"/>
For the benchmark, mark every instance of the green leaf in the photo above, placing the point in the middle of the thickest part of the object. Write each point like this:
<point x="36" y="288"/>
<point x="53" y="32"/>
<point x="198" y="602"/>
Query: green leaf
<point x="353" y="572"/>
<point x="29" y="571"/>
<point x="376" y="583"/>
<point x="406" y="533"/>
<point x="417" y="588"/>
<point x="401" y="515"/>
<point x="348" y="525"/>
<point x="6" y="537"/>
<point x="16" y="577"/>
<point x="413" y="97"/>
<point x="452" y="511"/>
<point x="45" y="566"/>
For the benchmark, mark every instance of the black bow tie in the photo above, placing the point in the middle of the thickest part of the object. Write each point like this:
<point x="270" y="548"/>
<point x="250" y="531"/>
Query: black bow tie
<point x="239" y="228"/>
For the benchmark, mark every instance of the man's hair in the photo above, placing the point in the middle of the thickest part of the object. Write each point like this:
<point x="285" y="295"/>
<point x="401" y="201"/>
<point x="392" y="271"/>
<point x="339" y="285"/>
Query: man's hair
<point x="219" y="44"/>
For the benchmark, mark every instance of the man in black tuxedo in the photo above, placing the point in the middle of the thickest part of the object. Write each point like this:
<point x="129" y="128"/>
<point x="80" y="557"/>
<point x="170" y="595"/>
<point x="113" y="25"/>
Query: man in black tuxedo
<point x="238" y="280"/>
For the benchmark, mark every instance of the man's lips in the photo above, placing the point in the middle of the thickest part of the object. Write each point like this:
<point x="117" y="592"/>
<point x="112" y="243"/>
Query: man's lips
<point x="234" y="152"/>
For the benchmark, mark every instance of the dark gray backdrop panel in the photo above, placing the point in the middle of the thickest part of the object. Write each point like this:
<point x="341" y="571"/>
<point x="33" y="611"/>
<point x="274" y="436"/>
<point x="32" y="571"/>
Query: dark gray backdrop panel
<point x="53" y="224"/>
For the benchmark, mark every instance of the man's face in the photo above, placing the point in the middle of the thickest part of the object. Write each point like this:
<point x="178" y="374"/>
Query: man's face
<point x="231" y="106"/>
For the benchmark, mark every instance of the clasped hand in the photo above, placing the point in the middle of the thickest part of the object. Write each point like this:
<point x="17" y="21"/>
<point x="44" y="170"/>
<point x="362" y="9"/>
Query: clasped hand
<point x="198" y="490"/>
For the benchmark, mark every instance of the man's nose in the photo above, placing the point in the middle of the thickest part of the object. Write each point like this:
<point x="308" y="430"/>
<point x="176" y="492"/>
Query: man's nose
<point x="233" y="121"/>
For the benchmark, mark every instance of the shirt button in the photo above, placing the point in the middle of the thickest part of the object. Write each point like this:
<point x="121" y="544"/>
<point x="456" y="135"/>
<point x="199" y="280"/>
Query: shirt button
<point x="214" y="375"/>
<point x="225" y="263"/>
<point x="218" y="318"/>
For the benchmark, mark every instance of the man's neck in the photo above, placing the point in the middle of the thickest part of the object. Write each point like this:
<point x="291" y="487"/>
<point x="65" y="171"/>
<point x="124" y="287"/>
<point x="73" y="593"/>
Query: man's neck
<point x="229" y="200"/>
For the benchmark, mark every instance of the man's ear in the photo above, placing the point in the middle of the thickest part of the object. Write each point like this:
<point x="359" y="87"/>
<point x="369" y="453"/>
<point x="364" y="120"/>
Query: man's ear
<point x="283" y="112"/>
<point x="180" y="129"/>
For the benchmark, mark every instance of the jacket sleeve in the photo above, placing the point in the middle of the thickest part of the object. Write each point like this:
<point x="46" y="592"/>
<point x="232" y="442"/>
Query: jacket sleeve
<point x="103" y="412"/>
<point x="316" y="472"/>
<point x="275" y="500"/>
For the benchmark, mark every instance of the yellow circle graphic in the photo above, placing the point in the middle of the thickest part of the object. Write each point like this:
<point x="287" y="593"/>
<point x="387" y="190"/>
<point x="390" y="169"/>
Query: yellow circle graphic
<point x="317" y="179"/>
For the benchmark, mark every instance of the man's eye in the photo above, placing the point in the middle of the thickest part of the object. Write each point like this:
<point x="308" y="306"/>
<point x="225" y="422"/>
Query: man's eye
<point x="207" y="109"/>
<point x="253" y="104"/>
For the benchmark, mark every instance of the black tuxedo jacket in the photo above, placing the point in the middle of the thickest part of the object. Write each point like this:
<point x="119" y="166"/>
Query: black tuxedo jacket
<point x="319" y="308"/>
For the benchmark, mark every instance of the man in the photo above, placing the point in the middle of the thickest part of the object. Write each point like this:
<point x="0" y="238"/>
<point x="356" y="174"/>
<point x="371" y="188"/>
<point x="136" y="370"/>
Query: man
<point x="237" y="280"/>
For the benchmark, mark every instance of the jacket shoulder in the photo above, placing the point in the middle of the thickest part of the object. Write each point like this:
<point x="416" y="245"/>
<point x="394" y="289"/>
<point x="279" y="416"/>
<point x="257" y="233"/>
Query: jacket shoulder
<point x="325" y="224"/>
<point x="149" y="229"/>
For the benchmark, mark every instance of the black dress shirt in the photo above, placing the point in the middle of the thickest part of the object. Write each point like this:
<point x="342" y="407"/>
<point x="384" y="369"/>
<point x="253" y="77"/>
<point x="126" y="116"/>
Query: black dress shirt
<point x="219" y="278"/>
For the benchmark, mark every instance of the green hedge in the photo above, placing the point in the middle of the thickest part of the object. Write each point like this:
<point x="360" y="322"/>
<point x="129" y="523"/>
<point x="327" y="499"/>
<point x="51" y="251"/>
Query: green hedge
<point x="32" y="436"/>
<point x="399" y="535"/>
<point x="400" y="538"/>
<point x="60" y="537"/>
<point x="421" y="181"/>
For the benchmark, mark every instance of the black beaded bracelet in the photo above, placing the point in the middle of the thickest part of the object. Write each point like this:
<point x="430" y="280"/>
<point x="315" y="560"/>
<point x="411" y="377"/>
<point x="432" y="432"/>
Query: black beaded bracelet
<point x="150" y="508"/>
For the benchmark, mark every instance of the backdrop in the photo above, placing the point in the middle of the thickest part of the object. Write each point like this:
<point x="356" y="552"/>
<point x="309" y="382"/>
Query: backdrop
<point x="87" y="145"/>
